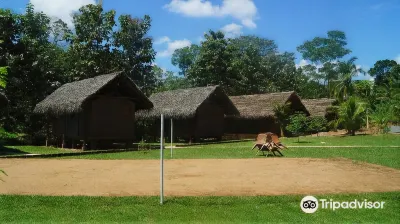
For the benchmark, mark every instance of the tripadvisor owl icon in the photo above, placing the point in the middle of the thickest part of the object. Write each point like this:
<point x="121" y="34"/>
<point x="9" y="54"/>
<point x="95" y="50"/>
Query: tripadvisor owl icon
<point x="309" y="204"/>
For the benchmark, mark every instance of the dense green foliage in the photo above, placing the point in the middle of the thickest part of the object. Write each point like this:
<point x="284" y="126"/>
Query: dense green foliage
<point x="297" y="124"/>
<point x="316" y="124"/>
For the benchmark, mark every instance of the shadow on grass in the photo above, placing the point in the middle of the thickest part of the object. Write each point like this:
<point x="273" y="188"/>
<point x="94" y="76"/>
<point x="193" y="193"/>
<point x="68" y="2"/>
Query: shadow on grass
<point x="5" y="151"/>
<point x="210" y="143"/>
<point x="302" y="142"/>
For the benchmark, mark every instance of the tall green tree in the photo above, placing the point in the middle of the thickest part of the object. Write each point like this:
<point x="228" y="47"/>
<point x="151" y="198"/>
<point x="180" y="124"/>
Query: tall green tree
<point x="34" y="67"/>
<point x="343" y="87"/>
<point x="325" y="52"/>
<point x="91" y="52"/>
<point x="382" y="71"/>
<point x="325" y="49"/>
<point x="136" y="51"/>
<point x="213" y="65"/>
<point x="185" y="57"/>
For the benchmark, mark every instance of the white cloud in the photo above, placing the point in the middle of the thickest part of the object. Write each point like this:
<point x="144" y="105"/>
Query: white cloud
<point x="302" y="63"/>
<point x="232" y="30"/>
<point x="162" y="40"/>
<point x="243" y="10"/>
<point x="61" y="9"/>
<point x="172" y="46"/>
<point x="397" y="59"/>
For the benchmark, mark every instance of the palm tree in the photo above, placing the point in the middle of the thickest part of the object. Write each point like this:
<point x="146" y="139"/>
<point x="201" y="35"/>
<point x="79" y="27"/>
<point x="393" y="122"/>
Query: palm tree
<point x="281" y="112"/>
<point x="351" y="115"/>
<point x="343" y="87"/>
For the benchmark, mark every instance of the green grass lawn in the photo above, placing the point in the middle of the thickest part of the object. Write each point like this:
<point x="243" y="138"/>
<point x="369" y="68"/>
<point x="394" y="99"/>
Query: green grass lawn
<point x="386" y="156"/>
<point x="260" y="209"/>
<point x="382" y="156"/>
<point x="359" y="140"/>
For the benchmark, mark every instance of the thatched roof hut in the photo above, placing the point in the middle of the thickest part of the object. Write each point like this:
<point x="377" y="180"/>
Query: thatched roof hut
<point x="3" y="100"/>
<point x="71" y="97"/>
<point x="318" y="107"/>
<point x="257" y="112"/>
<point x="262" y="105"/>
<point x="184" y="103"/>
<point x="96" y="109"/>
<point x="197" y="112"/>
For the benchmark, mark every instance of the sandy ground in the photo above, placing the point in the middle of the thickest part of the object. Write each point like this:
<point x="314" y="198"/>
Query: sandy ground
<point x="266" y="176"/>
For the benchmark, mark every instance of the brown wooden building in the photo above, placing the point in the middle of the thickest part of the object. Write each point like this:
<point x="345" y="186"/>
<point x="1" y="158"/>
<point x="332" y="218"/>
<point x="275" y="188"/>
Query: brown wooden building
<point x="95" y="111"/>
<point x="257" y="112"/>
<point x="196" y="112"/>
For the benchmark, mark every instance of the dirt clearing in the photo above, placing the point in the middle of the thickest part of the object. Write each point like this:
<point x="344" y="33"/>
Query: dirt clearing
<point x="267" y="176"/>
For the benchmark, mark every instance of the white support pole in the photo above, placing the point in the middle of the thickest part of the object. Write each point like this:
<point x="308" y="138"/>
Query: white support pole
<point x="162" y="160"/>
<point x="172" y="135"/>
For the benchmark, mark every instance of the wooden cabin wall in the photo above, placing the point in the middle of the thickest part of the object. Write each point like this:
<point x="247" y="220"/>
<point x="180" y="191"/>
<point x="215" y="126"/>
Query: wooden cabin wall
<point x="250" y="126"/>
<point x="209" y="121"/>
<point x="112" y="118"/>
<point x="183" y="128"/>
<point x="71" y="126"/>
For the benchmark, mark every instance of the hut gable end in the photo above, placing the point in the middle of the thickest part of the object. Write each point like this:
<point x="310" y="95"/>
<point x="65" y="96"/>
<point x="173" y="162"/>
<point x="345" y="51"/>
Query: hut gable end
<point x="184" y="103"/>
<point x="71" y="97"/>
<point x="318" y="107"/>
<point x="259" y="105"/>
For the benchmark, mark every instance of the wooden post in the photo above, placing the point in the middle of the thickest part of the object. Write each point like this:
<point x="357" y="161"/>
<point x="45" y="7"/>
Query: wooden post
<point x="84" y="145"/>
<point x="73" y="144"/>
<point x="63" y="141"/>
<point x="172" y="136"/>
<point x="162" y="160"/>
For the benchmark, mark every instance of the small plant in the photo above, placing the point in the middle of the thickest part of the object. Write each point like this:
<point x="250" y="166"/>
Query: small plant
<point x="351" y="115"/>
<point x="143" y="145"/>
<point x="297" y="125"/>
<point x="382" y="115"/>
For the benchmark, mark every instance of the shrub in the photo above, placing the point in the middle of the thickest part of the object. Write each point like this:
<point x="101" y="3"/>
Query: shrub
<point x="316" y="124"/>
<point x="297" y="124"/>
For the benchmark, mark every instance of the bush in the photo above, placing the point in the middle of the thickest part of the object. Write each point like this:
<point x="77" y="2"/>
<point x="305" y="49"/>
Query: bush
<point x="297" y="124"/>
<point x="8" y="138"/>
<point x="316" y="124"/>
<point x="382" y="115"/>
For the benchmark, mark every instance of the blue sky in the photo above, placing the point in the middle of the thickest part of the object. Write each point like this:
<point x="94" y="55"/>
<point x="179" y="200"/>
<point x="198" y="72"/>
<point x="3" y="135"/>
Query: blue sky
<point x="372" y="26"/>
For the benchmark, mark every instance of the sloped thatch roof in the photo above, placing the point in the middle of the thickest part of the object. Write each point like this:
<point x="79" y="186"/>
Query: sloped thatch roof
<point x="71" y="97"/>
<point x="317" y="107"/>
<point x="260" y="105"/>
<point x="3" y="100"/>
<point x="183" y="103"/>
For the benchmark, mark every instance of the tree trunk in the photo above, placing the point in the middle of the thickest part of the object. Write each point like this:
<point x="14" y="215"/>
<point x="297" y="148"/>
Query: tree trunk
<point x="281" y="131"/>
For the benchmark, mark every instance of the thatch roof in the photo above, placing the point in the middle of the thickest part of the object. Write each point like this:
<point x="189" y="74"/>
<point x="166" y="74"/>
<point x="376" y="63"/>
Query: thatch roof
<point x="183" y="103"/>
<point x="71" y="97"/>
<point x="260" y="105"/>
<point x="317" y="107"/>
<point x="3" y="100"/>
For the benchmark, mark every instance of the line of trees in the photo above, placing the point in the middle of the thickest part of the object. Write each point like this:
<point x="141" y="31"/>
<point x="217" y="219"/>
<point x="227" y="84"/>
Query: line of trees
<point x="38" y="54"/>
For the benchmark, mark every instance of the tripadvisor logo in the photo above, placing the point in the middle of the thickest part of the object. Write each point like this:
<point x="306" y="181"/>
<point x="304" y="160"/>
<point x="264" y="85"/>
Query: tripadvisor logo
<point x="310" y="204"/>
